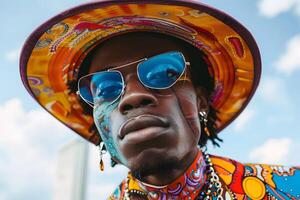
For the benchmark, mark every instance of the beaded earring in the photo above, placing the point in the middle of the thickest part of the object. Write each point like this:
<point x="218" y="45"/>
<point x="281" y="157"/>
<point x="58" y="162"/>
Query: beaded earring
<point x="102" y="151"/>
<point x="203" y="119"/>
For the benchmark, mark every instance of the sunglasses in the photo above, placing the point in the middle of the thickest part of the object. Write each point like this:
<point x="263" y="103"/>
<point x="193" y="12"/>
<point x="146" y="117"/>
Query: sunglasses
<point x="158" y="72"/>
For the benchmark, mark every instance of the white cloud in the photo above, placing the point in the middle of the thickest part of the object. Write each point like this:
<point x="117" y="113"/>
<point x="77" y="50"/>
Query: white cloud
<point x="13" y="55"/>
<point x="28" y="147"/>
<point x="272" y="8"/>
<point x="243" y="119"/>
<point x="29" y="143"/>
<point x="273" y="151"/>
<point x="289" y="61"/>
<point x="273" y="90"/>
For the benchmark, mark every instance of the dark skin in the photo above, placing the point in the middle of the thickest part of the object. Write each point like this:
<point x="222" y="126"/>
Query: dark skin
<point x="163" y="149"/>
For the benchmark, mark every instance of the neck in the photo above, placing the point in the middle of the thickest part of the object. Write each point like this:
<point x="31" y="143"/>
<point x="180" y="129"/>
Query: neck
<point x="167" y="175"/>
<point x="183" y="185"/>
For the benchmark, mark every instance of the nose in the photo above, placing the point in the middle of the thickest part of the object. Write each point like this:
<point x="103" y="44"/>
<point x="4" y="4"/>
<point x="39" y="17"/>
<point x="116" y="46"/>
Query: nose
<point x="136" y="96"/>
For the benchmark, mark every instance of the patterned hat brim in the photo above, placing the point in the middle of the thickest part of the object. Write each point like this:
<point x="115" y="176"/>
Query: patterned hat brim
<point x="52" y="55"/>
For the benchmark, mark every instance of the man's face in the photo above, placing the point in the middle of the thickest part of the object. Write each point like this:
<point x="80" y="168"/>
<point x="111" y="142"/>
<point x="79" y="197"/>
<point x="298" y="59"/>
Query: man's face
<point x="146" y="129"/>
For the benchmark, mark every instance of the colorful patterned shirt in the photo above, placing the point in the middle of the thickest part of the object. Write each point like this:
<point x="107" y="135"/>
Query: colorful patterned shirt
<point x="238" y="181"/>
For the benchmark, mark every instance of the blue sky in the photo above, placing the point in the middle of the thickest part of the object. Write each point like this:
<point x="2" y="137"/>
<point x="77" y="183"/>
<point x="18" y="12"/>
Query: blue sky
<point x="267" y="131"/>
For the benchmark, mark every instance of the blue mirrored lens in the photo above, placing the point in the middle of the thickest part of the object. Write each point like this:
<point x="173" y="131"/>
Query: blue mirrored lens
<point x="102" y="87"/>
<point x="161" y="71"/>
<point x="85" y="93"/>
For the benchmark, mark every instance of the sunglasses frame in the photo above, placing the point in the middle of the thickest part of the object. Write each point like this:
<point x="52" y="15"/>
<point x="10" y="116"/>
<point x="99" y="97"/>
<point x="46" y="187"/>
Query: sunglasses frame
<point x="140" y="61"/>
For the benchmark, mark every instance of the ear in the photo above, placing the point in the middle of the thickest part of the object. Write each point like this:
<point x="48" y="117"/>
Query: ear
<point x="202" y="99"/>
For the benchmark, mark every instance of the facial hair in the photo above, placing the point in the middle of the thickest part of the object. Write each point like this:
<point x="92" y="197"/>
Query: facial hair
<point x="155" y="168"/>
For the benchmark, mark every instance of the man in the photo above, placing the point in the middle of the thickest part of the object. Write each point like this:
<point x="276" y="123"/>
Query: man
<point x="159" y="79"/>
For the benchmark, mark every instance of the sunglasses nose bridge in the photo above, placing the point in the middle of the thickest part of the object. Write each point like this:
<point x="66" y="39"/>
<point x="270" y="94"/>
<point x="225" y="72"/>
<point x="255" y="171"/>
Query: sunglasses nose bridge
<point x="135" y="95"/>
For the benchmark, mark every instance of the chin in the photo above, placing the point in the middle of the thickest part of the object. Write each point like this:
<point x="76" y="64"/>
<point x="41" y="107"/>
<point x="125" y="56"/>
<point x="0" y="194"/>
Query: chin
<point x="151" y="162"/>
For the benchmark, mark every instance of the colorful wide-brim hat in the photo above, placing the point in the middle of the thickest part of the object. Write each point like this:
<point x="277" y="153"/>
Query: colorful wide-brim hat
<point x="53" y="53"/>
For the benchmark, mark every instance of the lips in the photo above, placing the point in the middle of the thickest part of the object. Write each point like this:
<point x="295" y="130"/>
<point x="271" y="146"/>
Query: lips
<point x="140" y="123"/>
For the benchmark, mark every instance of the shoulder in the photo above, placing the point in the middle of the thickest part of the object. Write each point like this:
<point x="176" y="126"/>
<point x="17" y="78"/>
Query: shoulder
<point x="258" y="181"/>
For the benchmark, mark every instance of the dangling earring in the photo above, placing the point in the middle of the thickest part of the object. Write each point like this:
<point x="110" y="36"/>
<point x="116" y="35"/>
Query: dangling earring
<point x="102" y="151"/>
<point x="203" y="118"/>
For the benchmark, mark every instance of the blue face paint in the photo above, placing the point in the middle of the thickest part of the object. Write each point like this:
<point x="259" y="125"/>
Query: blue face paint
<point x="102" y="121"/>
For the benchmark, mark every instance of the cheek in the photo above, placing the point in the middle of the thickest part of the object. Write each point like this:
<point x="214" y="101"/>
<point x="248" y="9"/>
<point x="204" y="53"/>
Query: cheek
<point x="103" y="123"/>
<point x="187" y="99"/>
